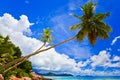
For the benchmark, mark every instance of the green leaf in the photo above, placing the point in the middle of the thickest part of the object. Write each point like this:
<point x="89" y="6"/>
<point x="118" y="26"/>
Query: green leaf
<point x="101" y="16"/>
<point x="76" y="16"/>
<point x="76" y="26"/>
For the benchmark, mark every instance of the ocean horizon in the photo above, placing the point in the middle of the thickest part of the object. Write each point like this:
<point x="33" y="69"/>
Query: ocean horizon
<point x="83" y="77"/>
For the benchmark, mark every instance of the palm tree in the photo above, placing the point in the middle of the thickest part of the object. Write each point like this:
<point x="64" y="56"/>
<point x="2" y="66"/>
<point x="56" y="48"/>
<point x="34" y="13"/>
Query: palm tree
<point x="46" y="37"/>
<point x="91" y="25"/>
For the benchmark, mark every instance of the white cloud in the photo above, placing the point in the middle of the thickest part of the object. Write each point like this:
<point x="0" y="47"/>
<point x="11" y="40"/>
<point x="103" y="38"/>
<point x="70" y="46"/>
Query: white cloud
<point x="116" y="58"/>
<point x="83" y="64"/>
<point x="114" y="64"/>
<point x="15" y="29"/>
<point x="51" y="60"/>
<point x="114" y="40"/>
<point x="103" y="59"/>
<point x="11" y="23"/>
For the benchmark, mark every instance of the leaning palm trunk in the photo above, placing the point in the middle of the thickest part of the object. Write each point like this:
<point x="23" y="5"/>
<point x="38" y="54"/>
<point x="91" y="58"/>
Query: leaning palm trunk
<point x="51" y="47"/>
<point x="41" y="47"/>
<point x="16" y="61"/>
<point x="22" y="59"/>
<point x="14" y="66"/>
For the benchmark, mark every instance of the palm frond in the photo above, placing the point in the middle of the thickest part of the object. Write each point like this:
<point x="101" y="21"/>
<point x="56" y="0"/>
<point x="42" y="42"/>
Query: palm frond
<point x="88" y="9"/>
<point x="76" y="16"/>
<point x="101" y="16"/>
<point x="102" y="35"/>
<point x="108" y="28"/>
<point x="76" y="26"/>
<point x="81" y="34"/>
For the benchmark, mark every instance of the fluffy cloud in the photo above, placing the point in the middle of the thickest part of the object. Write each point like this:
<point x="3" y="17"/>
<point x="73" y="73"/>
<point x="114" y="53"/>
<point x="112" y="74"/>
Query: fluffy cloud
<point x="103" y="59"/>
<point x="116" y="58"/>
<point x="51" y="60"/>
<point x="16" y="29"/>
<point x="9" y="22"/>
<point x="83" y="64"/>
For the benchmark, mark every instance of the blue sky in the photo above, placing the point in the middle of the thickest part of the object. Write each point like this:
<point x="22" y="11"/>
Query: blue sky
<point x="26" y="19"/>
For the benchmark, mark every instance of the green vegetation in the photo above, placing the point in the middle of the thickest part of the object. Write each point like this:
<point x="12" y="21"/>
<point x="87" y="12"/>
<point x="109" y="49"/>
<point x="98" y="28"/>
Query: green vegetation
<point x="8" y="53"/>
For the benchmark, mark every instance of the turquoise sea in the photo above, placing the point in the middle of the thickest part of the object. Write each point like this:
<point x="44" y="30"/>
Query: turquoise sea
<point x="83" y="78"/>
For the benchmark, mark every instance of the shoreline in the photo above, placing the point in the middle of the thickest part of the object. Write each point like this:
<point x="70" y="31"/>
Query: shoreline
<point x="34" y="77"/>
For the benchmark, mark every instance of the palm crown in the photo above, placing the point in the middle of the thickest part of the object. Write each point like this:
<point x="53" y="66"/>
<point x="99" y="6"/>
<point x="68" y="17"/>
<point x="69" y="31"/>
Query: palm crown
<point x="46" y="37"/>
<point x="91" y="24"/>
